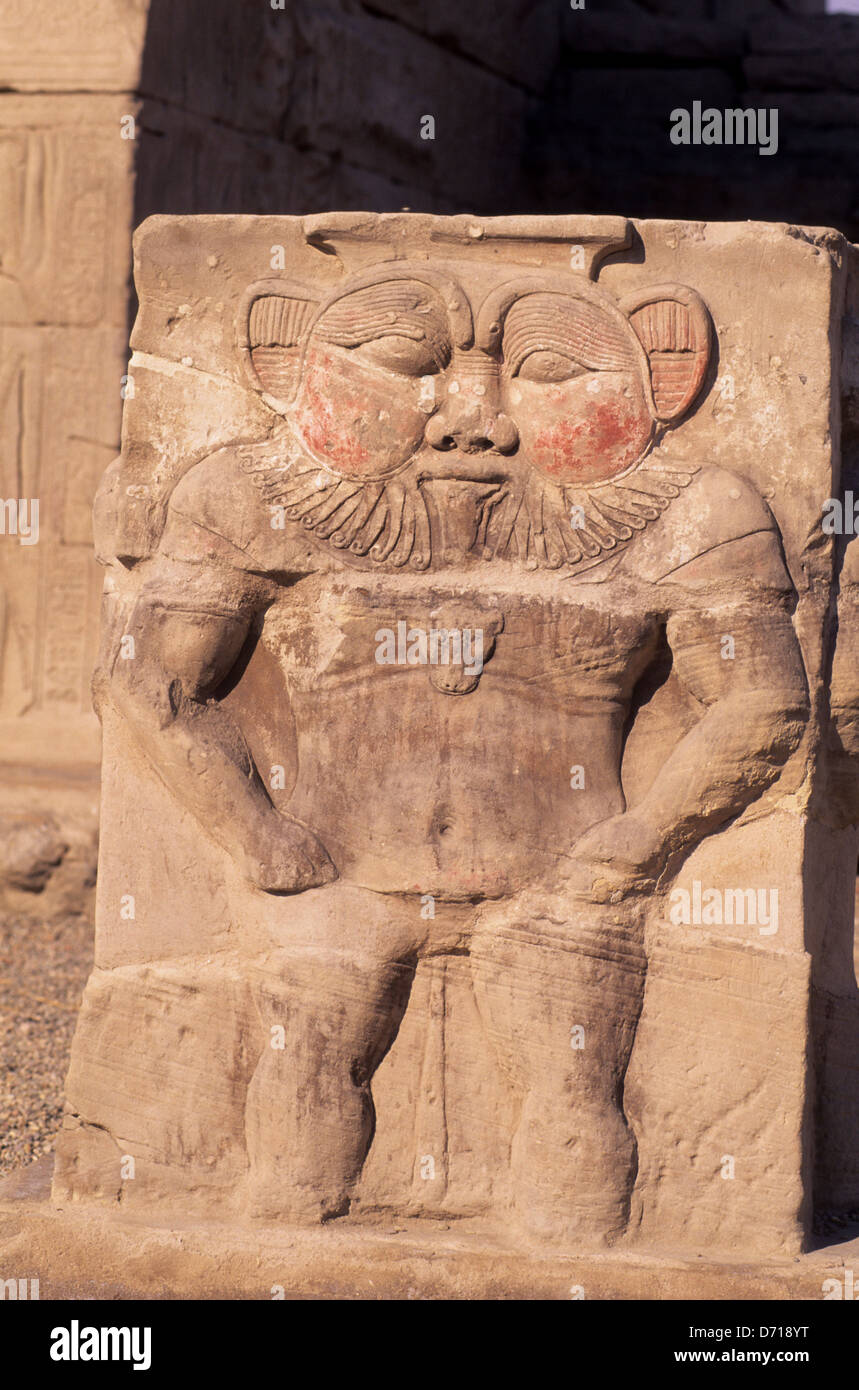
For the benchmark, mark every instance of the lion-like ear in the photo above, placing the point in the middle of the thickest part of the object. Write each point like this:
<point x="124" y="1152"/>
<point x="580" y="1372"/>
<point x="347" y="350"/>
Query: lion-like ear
<point x="272" y="324"/>
<point x="674" y="327"/>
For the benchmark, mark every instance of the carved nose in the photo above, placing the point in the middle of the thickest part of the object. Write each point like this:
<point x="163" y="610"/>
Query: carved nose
<point x="470" y="419"/>
<point x="472" y="427"/>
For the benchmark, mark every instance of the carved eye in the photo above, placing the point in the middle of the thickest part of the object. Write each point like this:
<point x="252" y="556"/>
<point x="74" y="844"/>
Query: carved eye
<point x="543" y="365"/>
<point x="411" y="356"/>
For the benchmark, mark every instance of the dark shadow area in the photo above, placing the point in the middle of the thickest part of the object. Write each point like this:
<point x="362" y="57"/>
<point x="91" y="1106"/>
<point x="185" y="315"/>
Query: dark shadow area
<point x="518" y="106"/>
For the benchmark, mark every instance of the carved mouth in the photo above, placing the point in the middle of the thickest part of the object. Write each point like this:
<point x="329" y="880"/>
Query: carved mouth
<point x="463" y="468"/>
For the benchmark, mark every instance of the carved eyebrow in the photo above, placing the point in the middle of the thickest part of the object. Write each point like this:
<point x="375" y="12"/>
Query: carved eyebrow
<point x="547" y="322"/>
<point x="390" y="308"/>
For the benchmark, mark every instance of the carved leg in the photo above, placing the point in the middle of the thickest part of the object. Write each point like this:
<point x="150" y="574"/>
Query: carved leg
<point x="561" y="1001"/>
<point x="329" y="1017"/>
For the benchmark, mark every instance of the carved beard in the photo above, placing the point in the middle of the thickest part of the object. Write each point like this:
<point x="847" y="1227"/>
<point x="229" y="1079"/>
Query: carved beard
<point x="526" y="520"/>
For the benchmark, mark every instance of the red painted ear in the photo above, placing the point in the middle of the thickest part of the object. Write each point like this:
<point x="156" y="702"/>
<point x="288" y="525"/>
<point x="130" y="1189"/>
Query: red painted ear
<point x="674" y="328"/>
<point x="273" y="320"/>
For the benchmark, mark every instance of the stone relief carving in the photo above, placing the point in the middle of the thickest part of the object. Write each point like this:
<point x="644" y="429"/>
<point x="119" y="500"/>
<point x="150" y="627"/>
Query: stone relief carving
<point x="461" y="453"/>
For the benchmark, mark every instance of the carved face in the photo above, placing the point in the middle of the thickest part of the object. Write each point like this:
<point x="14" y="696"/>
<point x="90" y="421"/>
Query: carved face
<point x="574" y="386"/>
<point x="543" y="390"/>
<point x="560" y="378"/>
<point x="361" y="402"/>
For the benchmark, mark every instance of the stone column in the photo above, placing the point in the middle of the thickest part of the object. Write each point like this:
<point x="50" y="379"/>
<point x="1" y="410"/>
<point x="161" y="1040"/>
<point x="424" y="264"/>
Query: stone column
<point x="66" y="200"/>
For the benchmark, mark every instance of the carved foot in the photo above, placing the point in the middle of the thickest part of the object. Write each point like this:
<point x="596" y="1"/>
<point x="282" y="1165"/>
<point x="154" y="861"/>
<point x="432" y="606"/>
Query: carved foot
<point x="276" y="1202"/>
<point x="572" y="1184"/>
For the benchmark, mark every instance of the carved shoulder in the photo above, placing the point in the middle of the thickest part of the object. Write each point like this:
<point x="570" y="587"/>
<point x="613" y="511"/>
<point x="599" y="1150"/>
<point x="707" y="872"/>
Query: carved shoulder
<point x="216" y="514"/>
<point x="718" y="529"/>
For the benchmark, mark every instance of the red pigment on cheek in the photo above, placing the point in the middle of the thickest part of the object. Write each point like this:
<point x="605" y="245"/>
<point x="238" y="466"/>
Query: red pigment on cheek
<point x="576" y="448"/>
<point x="321" y="425"/>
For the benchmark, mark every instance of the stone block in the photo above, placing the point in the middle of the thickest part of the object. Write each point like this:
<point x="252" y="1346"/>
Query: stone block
<point x="466" y="673"/>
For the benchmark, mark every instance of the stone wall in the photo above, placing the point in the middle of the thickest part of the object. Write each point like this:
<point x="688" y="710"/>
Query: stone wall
<point x="600" y="138"/>
<point x="537" y="107"/>
<point x="66" y="210"/>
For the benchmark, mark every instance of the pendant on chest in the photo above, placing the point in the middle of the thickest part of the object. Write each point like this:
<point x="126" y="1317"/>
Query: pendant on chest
<point x="454" y="645"/>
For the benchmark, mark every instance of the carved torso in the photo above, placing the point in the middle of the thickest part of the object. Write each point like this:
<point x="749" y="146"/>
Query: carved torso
<point x="474" y="791"/>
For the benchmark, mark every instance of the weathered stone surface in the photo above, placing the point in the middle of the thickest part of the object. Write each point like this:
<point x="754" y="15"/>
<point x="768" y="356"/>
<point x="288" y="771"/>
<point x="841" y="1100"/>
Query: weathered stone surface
<point x="287" y="89"/>
<point x="805" y="54"/>
<point x="176" y="171"/>
<point x="390" y="932"/>
<point x="31" y="850"/>
<point x="92" y="45"/>
<point x="80" y="1252"/>
<point x="602" y="32"/>
<point x="520" y="42"/>
<point x="65" y="206"/>
<point x="345" y="110"/>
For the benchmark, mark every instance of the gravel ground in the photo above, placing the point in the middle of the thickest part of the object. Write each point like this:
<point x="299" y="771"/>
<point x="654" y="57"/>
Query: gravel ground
<point x="43" y="968"/>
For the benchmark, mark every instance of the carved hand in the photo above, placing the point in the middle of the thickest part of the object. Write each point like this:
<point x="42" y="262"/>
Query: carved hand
<point x="285" y="857"/>
<point x="614" y="859"/>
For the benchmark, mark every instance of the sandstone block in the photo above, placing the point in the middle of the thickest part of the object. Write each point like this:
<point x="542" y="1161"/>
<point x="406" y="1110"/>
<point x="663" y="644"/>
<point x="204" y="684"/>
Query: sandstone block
<point x="479" y="799"/>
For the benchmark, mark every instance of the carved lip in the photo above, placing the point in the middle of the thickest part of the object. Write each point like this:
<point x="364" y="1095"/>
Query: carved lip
<point x="463" y="468"/>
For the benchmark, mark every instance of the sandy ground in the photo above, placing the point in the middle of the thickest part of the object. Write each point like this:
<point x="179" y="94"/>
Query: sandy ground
<point x="44" y="964"/>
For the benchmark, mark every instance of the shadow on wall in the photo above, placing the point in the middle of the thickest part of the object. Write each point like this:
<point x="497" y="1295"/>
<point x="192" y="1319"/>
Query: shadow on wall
<point x="521" y="106"/>
<point x="314" y="107"/>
